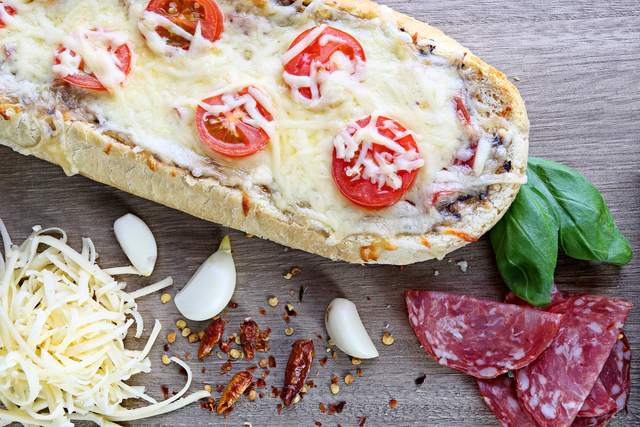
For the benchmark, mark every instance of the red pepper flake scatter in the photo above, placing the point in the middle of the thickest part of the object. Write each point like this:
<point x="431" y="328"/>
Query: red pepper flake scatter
<point x="174" y="393"/>
<point x="319" y="336"/>
<point x="232" y="305"/>
<point x="210" y="404"/>
<point x="219" y="387"/>
<point x="228" y="411"/>
<point x="166" y="347"/>
<point x="334" y="379"/>
<point x="203" y="370"/>
<point x="279" y="408"/>
<point x="290" y="311"/>
<point x="368" y="298"/>
<point x="324" y="361"/>
<point x="263" y="311"/>
<point x="261" y="383"/>
<point x="252" y="368"/>
<point x="286" y="317"/>
<point x="182" y="371"/>
<point x="272" y="362"/>
<point x="165" y="391"/>
<point x="393" y="403"/>
<point x="332" y="409"/>
<point x="301" y="292"/>
<point x="322" y="408"/>
<point x="420" y="380"/>
<point x="340" y="406"/>
<point x="261" y="395"/>
<point x="359" y="371"/>
<point x="362" y="421"/>
<point x="318" y="423"/>
<point x="266" y="373"/>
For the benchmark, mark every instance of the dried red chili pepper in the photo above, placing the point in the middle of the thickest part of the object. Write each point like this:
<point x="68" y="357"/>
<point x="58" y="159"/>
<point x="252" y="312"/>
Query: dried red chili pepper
<point x="249" y="333"/>
<point x="211" y="337"/>
<point x="298" y="367"/>
<point x="234" y="390"/>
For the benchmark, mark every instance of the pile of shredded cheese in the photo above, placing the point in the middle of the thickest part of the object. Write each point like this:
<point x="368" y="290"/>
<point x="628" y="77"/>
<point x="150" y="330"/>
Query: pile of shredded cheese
<point x="62" y="325"/>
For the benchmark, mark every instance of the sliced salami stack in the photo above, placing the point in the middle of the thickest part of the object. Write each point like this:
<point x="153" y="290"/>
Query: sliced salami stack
<point x="569" y="364"/>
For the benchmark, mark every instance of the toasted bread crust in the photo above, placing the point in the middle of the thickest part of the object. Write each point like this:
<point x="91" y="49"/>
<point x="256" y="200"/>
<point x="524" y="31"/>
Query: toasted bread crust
<point x="80" y="147"/>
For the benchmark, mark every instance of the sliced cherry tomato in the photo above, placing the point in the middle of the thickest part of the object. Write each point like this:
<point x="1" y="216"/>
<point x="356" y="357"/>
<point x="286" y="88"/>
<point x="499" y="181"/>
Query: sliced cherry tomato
<point x="234" y="132"/>
<point x="187" y="14"/>
<point x="473" y="146"/>
<point x="10" y="11"/>
<point x="318" y="54"/>
<point x="88" y="80"/>
<point x="363" y="191"/>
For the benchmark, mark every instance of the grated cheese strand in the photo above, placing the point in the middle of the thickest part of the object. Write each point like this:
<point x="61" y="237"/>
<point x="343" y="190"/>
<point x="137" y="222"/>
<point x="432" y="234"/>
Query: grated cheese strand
<point x="63" y="322"/>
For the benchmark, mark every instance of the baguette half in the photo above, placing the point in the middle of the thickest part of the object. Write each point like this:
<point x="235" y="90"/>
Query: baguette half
<point x="56" y="127"/>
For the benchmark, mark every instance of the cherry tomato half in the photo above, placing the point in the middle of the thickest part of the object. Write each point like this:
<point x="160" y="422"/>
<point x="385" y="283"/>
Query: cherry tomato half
<point x="9" y="10"/>
<point x="362" y="191"/>
<point x="187" y="14"/>
<point x="88" y="80"/>
<point x="319" y="54"/>
<point x="234" y="132"/>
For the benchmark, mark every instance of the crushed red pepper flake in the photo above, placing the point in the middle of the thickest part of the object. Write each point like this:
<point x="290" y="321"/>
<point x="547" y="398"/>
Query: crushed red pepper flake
<point x="252" y="368"/>
<point x="362" y="421"/>
<point x="334" y="379"/>
<point x="286" y="317"/>
<point x="332" y="409"/>
<point x="393" y="403"/>
<point x="324" y="361"/>
<point x="290" y="311"/>
<point x="279" y="408"/>
<point x="224" y="347"/>
<point x="228" y="411"/>
<point x="319" y="336"/>
<point x="220" y="387"/>
<point x="368" y="298"/>
<point x="210" y="404"/>
<point x="261" y="383"/>
<point x="266" y="373"/>
<point x="165" y="391"/>
<point x="302" y="289"/>
<point x="263" y="311"/>
<point x="340" y="406"/>
<point x="187" y="356"/>
<point x="261" y="395"/>
<point x="359" y="371"/>
<point x="420" y="380"/>
<point x="166" y="347"/>
<point x="318" y="423"/>
<point x="232" y="305"/>
<point x="322" y="408"/>
<point x="182" y="371"/>
<point x="272" y="362"/>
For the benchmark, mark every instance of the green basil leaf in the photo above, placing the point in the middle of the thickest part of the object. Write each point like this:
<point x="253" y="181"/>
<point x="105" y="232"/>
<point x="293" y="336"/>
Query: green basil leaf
<point x="587" y="229"/>
<point x="525" y="242"/>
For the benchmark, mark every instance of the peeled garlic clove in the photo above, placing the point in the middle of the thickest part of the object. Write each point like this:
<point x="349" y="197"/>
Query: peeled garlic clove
<point x="137" y="242"/>
<point x="210" y="289"/>
<point x="346" y="330"/>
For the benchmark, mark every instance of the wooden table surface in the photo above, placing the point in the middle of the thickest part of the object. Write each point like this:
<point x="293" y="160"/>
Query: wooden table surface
<point x="578" y="64"/>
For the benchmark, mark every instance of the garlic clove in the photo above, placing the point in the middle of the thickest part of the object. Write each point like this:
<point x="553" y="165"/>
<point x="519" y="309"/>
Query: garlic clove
<point x="137" y="242"/>
<point x="210" y="289"/>
<point x="346" y="330"/>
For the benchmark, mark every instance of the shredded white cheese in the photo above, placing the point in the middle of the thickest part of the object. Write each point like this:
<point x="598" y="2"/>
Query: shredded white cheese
<point x="63" y="321"/>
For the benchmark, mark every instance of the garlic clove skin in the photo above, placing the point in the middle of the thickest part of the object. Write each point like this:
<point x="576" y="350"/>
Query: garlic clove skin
<point x="210" y="289"/>
<point x="346" y="330"/>
<point x="137" y="242"/>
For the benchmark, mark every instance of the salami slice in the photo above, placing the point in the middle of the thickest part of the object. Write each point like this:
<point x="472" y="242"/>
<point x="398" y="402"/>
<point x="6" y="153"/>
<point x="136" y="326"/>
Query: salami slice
<point x="556" y="384"/>
<point x="598" y="402"/>
<point x="478" y="337"/>
<point x="500" y="394"/>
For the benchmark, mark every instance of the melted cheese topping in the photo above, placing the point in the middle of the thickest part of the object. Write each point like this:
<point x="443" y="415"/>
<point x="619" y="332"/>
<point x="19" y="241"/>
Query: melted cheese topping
<point x="63" y="322"/>
<point x="157" y="104"/>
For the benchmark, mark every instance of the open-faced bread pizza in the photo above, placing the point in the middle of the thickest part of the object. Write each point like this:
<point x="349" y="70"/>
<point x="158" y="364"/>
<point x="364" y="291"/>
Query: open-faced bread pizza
<point x="339" y="127"/>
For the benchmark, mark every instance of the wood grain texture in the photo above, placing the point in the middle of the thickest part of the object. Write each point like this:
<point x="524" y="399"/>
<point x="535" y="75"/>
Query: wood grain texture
<point x="578" y="64"/>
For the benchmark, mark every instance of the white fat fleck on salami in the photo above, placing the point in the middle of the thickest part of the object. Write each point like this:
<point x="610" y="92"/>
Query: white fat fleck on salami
<point x="589" y="329"/>
<point x="500" y="395"/>
<point x="481" y="338"/>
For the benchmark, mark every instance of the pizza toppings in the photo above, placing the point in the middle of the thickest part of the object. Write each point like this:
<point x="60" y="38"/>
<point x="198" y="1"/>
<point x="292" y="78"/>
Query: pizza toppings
<point x="375" y="161"/>
<point x="314" y="55"/>
<point x="95" y="59"/>
<point x="478" y="337"/>
<point x="172" y="26"/>
<point x="236" y="123"/>
<point x="555" y="385"/>
<point x="7" y="14"/>
<point x="500" y="394"/>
